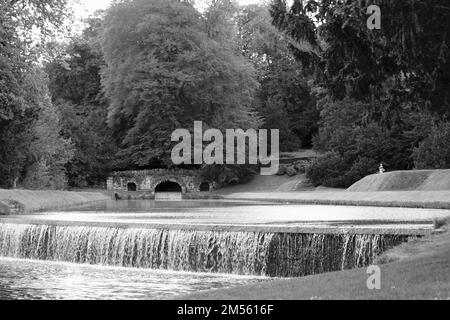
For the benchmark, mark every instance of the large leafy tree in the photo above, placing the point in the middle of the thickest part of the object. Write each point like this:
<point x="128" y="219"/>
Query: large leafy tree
<point x="75" y="85"/>
<point x="407" y="60"/>
<point x="34" y="23"/>
<point x="164" y="71"/>
<point x="23" y="26"/>
<point x="49" y="151"/>
<point x="284" y="98"/>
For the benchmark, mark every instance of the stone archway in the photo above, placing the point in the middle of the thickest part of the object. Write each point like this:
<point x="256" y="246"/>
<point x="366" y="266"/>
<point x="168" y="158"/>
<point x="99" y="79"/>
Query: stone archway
<point x="205" y="187"/>
<point x="132" y="187"/>
<point x="169" y="183"/>
<point x="147" y="180"/>
<point x="168" y="186"/>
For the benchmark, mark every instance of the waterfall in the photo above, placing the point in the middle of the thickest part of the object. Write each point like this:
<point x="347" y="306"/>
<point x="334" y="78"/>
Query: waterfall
<point x="297" y="255"/>
<point x="168" y="196"/>
<point x="240" y="253"/>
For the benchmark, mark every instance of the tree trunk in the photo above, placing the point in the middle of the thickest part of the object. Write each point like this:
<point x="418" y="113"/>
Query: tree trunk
<point x="15" y="183"/>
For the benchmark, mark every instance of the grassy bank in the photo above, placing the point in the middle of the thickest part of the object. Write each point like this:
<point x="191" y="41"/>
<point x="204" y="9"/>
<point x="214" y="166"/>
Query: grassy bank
<point x="25" y="201"/>
<point x="418" y="180"/>
<point x="403" y="199"/>
<point x="416" y="270"/>
<point x="264" y="184"/>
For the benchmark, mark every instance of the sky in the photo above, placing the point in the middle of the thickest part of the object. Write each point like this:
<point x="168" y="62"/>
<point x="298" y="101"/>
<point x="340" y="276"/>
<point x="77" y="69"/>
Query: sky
<point x="87" y="7"/>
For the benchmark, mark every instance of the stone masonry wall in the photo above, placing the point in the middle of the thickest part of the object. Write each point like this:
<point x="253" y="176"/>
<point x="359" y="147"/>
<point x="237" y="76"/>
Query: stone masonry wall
<point x="148" y="180"/>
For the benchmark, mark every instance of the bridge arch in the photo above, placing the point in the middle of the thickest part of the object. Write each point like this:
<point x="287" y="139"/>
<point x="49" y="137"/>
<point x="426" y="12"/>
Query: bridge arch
<point x="168" y="186"/>
<point x="131" y="186"/>
<point x="205" y="187"/>
<point x="169" y="183"/>
<point x="148" y="180"/>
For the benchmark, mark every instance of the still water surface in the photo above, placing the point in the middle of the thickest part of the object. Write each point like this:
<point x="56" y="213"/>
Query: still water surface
<point x="23" y="279"/>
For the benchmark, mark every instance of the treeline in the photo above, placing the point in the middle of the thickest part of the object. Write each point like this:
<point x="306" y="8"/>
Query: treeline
<point x="112" y="96"/>
<point x="384" y="95"/>
<point x="33" y="151"/>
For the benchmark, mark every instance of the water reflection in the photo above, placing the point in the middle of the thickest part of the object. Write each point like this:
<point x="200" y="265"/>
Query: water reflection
<point x="22" y="279"/>
<point x="239" y="213"/>
<point x="148" y="205"/>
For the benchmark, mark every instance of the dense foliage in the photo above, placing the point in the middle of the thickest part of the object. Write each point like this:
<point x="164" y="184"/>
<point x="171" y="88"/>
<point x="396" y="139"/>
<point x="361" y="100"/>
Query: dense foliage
<point x="164" y="71"/>
<point x="434" y="151"/>
<point x="110" y="98"/>
<point x="284" y="99"/>
<point x="380" y="89"/>
<point x="32" y="151"/>
<point x="75" y="83"/>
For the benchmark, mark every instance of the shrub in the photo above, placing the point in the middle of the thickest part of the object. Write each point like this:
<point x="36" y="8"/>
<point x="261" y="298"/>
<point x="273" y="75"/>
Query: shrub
<point x="291" y="171"/>
<point x="4" y="209"/>
<point x="301" y="166"/>
<point x="43" y="176"/>
<point x="327" y="170"/>
<point x="439" y="223"/>
<point x="353" y="129"/>
<point x="335" y="171"/>
<point x="282" y="171"/>
<point x="434" y="151"/>
<point x="226" y="175"/>
<point x="360" y="169"/>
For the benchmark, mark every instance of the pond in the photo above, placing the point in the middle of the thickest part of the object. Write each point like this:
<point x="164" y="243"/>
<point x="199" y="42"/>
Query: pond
<point x="36" y="280"/>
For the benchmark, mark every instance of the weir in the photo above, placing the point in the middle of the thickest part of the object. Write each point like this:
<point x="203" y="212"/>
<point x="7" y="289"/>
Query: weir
<point x="168" y="196"/>
<point x="240" y="253"/>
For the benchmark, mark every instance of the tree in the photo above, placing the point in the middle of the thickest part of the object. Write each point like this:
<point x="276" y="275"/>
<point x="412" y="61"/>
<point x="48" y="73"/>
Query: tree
<point x="407" y="60"/>
<point x="284" y="98"/>
<point x="19" y="107"/>
<point x="383" y="88"/>
<point x="219" y="21"/>
<point x="34" y="22"/>
<point x="163" y="73"/>
<point x="49" y="151"/>
<point x="434" y="152"/>
<point x="75" y="85"/>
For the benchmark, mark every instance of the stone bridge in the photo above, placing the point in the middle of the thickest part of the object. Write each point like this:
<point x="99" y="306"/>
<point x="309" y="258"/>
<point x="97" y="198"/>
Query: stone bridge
<point x="159" y="180"/>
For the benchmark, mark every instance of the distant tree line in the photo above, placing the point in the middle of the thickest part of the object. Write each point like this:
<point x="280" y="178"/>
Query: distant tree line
<point x="111" y="97"/>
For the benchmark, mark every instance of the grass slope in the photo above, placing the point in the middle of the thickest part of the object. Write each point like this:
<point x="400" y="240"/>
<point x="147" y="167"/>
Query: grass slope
<point x="423" y="272"/>
<point x="264" y="184"/>
<point x="419" y="180"/>
<point x="403" y="199"/>
<point x="45" y="200"/>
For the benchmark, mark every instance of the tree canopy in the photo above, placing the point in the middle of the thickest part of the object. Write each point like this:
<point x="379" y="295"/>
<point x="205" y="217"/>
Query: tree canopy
<point x="75" y="83"/>
<point x="407" y="60"/>
<point x="26" y="114"/>
<point x="74" y="109"/>
<point x="163" y="72"/>
<point x="382" y="90"/>
<point x="284" y="99"/>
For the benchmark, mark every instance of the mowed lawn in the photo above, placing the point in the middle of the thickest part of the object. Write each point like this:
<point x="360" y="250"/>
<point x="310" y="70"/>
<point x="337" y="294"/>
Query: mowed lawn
<point x="32" y="201"/>
<point x="402" y="199"/>
<point x="423" y="273"/>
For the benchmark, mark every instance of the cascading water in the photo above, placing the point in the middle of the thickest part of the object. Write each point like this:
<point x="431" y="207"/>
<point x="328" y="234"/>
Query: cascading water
<point x="168" y="196"/>
<point x="215" y="252"/>
<point x="242" y="253"/>
<point x="297" y="255"/>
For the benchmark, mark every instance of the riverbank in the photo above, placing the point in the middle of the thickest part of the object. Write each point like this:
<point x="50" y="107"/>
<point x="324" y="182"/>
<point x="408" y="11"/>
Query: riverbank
<point x="402" y="199"/>
<point x="27" y="201"/>
<point x="416" y="270"/>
